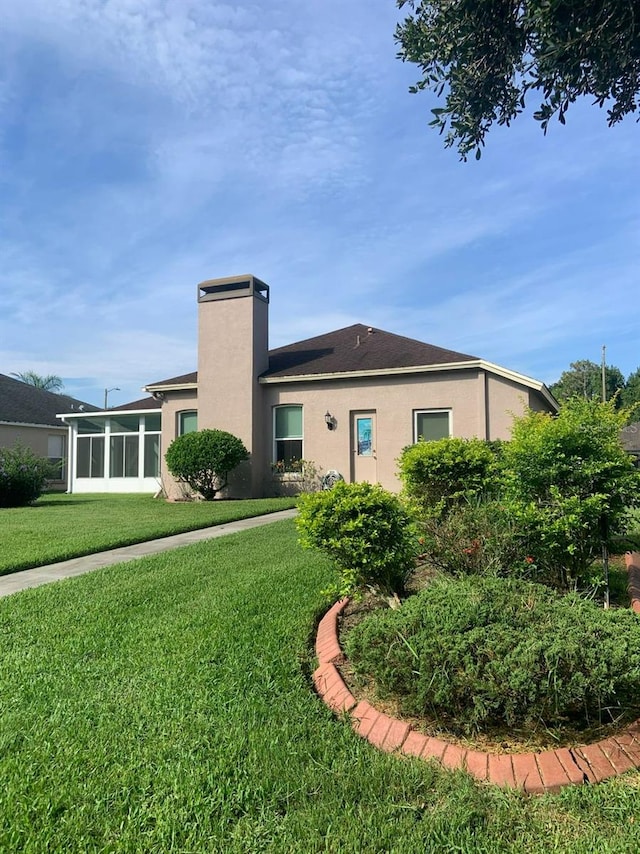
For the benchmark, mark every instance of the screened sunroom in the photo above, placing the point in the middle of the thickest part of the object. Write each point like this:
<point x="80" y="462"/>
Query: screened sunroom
<point x="114" y="450"/>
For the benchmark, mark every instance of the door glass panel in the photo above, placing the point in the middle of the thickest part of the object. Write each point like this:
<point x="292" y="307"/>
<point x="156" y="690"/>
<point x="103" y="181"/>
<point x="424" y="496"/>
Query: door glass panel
<point x="364" y="434"/>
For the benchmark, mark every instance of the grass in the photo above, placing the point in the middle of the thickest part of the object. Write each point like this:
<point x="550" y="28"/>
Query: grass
<point x="58" y="527"/>
<point x="165" y="706"/>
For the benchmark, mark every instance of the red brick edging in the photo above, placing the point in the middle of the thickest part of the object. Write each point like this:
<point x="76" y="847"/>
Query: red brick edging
<point x="534" y="773"/>
<point x="632" y="560"/>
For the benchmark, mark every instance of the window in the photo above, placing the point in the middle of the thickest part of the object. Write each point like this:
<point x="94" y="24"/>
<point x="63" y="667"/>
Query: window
<point x="123" y="456"/>
<point x="187" y="422"/>
<point x="431" y="424"/>
<point x="287" y="434"/>
<point x="91" y="425"/>
<point x="153" y="423"/>
<point x="125" y="423"/>
<point x="90" y="456"/>
<point x="55" y="455"/>
<point x="152" y="455"/>
<point x="152" y="427"/>
<point x="119" y="445"/>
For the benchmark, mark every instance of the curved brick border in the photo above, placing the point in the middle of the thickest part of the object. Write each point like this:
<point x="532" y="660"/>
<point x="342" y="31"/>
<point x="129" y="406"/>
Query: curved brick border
<point x="632" y="560"/>
<point x="534" y="773"/>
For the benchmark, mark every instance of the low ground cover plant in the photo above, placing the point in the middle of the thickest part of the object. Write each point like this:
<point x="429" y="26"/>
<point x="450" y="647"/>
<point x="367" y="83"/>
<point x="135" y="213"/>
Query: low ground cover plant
<point x="23" y="476"/>
<point x="366" y="531"/>
<point x="474" y="653"/>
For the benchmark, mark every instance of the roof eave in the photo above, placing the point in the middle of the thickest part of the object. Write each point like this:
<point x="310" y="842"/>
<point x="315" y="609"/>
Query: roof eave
<point x="380" y="372"/>
<point x="164" y="387"/>
<point x="97" y="412"/>
<point x="472" y="364"/>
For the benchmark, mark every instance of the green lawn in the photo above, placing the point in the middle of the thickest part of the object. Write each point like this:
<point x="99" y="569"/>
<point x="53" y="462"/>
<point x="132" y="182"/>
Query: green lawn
<point x="60" y="526"/>
<point x="165" y="706"/>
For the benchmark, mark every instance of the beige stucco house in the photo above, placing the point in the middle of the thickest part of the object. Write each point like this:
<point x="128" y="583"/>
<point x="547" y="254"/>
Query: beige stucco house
<point x="349" y="401"/>
<point x="28" y="417"/>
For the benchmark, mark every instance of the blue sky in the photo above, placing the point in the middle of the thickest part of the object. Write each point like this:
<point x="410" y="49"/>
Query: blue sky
<point x="146" y="145"/>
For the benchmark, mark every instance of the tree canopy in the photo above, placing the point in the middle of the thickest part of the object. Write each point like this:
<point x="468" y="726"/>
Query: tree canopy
<point x="631" y="391"/>
<point x="584" y="379"/>
<point x="50" y="382"/>
<point x="487" y="56"/>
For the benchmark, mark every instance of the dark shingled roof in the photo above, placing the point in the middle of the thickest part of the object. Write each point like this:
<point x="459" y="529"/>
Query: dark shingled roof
<point x="182" y="379"/>
<point x="356" y="348"/>
<point x="143" y="403"/>
<point x="24" y="404"/>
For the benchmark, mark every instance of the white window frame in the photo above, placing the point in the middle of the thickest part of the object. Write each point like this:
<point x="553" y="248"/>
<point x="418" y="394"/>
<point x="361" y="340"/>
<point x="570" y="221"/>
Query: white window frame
<point x="417" y="412"/>
<point x="61" y="473"/>
<point x="143" y="446"/>
<point x="180" y="415"/>
<point x="274" y="450"/>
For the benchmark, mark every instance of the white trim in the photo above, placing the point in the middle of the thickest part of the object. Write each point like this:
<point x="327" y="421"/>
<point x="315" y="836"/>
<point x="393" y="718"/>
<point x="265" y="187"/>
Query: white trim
<point x="106" y="412"/>
<point x="29" y="424"/>
<point x="381" y="372"/>
<point x="428" y="411"/>
<point x="476" y="364"/>
<point x="169" y="387"/>
<point x="275" y="440"/>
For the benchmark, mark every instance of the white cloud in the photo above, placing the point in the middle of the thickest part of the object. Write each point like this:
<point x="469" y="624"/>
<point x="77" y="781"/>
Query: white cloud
<point x="150" y="144"/>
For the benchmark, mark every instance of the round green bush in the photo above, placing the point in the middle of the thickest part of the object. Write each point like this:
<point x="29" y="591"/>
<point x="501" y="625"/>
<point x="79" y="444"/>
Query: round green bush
<point x="23" y="476"/>
<point x="365" y="530"/>
<point x="204" y="458"/>
<point x="438" y="475"/>
<point x="479" y="652"/>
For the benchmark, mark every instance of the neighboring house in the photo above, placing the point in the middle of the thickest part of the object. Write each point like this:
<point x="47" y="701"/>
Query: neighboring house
<point x="28" y="417"/>
<point x="349" y="401"/>
<point x="630" y="438"/>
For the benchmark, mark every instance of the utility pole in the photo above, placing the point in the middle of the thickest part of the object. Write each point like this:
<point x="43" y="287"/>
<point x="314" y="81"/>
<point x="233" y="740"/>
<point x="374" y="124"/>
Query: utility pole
<point x="106" y="395"/>
<point x="604" y="522"/>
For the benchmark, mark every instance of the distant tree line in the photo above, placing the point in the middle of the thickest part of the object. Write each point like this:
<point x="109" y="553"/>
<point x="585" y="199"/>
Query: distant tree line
<point x="584" y="379"/>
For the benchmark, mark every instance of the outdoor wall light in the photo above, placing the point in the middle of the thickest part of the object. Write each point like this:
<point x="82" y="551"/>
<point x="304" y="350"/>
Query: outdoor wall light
<point x="330" y="421"/>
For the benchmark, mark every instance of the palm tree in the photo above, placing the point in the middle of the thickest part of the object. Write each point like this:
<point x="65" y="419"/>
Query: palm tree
<point x="49" y="383"/>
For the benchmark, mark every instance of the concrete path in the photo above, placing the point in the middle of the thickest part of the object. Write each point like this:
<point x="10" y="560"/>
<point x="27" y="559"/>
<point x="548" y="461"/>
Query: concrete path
<point x="79" y="565"/>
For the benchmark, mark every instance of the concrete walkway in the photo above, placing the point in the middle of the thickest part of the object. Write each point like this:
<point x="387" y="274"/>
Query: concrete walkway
<point x="79" y="565"/>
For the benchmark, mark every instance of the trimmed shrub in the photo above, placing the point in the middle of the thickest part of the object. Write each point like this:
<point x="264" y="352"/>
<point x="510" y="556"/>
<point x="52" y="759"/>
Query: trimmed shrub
<point x="479" y="538"/>
<point x="479" y="652"/>
<point x="568" y="483"/>
<point x="23" y="476"/>
<point x="203" y="459"/>
<point x="438" y="475"/>
<point x="366" y="532"/>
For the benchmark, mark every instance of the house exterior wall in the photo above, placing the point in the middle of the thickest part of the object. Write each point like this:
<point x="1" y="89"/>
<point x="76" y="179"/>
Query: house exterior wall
<point x="537" y="402"/>
<point x="505" y="399"/>
<point x="233" y="350"/>
<point x="173" y="404"/>
<point x="37" y="438"/>
<point x="479" y="406"/>
<point x="233" y="354"/>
